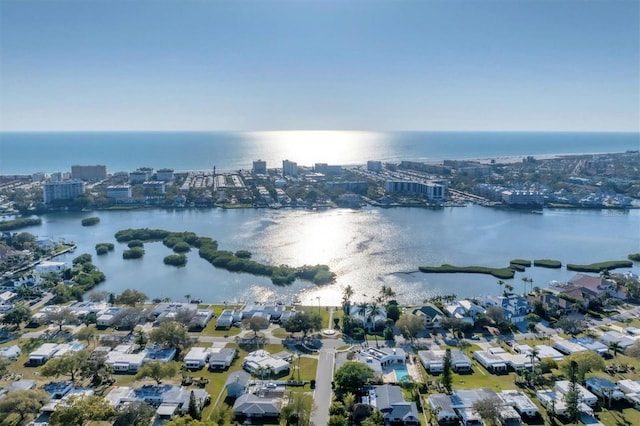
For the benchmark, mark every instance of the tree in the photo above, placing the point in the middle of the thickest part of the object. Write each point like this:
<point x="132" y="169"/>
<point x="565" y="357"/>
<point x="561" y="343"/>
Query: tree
<point x="489" y="410"/>
<point x="171" y="334"/>
<point x="346" y="298"/>
<point x="86" y="333"/>
<point x="188" y="421"/>
<point x="571" y="326"/>
<point x="351" y="376"/>
<point x="586" y="361"/>
<point x="157" y="370"/>
<point x="298" y="410"/>
<point x="69" y="364"/>
<point x="500" y="284"/>
<point x="16" y="316"/>
<point x="4" y="364"/>
<point x="634" y="350"/>
<point x="60" y="317"/>
<point x="572" y="398"/>
<point x="304" y="322"/>
<point x="410" y="326"/>
<point x="447" y="373"/>
<point x="127" y="318"/>
<point x="194" y="410"/>
<point x="393" y="312"/>
<point x="131" y="297"/>
<point x="495" y="314"/>
<point x="257" y="323"/>
<point x="222" y="414"/>
<point x="615" y="347"/>
<point x="82" y="409"/>
<point x="386" y="294"/>
<point x="23" y="402"/>
<point x="134" y="413"/>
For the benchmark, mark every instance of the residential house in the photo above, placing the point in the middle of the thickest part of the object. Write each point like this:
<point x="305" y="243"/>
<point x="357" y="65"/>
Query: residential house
<point x="631" y="389"/>
<point x="564" y="386"/>
<point x="623" y="341"/>
<point x="554" y="400"/>
<point x="604" y="388"/>
<point x="228" y="317"/>
<point x="221" y="358"/>
<point x="106" y="318"/>
<point x="441" y="404"/>
<point x="430" y="313"/>
<point x="520" y="401"/>
<point x="369" y="319"/>
<point x="380" y="359"/>
<point x="515" y="308"/>
<point x="46" y="351"/>
<point x="197" y="358"/>
<point x="237" y="383"/>
<point x="260" y="360"/>
<point x="464" y="310"/>
<point x="391" y="403"/>
<point x="169" y="400"/>
<point x="459" y="405"/>
<point x="251" y="406"/>
<point x="433" y="361"/>
<point x="11" y="352"/>
<point x="567" y="347"/>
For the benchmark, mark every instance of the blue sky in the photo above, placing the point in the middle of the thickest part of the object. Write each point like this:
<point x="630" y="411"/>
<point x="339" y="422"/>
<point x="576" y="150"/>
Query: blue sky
<point x="361" y="64"/>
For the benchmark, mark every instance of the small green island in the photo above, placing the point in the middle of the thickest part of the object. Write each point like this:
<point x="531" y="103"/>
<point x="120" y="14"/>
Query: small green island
<point x="502" y="273"/>
<point x="10" y="225"/>
<point x="133" y="253"/>
<point x="90" y="221"/>
<point x="178" y="260"/>
<point x="547" y="263"/>
<point x="240" y="261"/>
<point x="600" y="266"/>
<point x="104" y="248"/>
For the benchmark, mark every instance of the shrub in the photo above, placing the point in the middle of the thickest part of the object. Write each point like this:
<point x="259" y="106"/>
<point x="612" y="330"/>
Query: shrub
<point x="181" y="247"/>
<point x="90" y="221"/>
<point x="635" y="257"/>
<point x="175" y="260"/>
<point x="135" y="243"/>
<point x="134" y="253"/>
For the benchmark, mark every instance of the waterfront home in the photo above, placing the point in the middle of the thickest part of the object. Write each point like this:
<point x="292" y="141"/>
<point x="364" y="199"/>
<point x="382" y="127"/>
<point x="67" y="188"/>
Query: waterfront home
<point x="271" y="312"/>
<point x="258" y="361"/>
<point x="252" y="406"/>
<point x="197" y="358"/>
<point x="228" y="317"/>
<point x="520" y="401"/>
<point x="380" y="359"/>
<point x="369" y="319"/>
<point x="459" y="405"/>
<point x="602" y="287"/>
<point x="221" y="358"/>
<point x="433" y="361"/>
<point x="464" y="310"/>
<point x="48" y="267"/>
<point x="391" y="403"/>
<point x="563" y="386"/>
<point x="515" y="308"/>
<point x="430" y="314"/>
<point x="237" y="383"/>
<point x="604" y="388"/>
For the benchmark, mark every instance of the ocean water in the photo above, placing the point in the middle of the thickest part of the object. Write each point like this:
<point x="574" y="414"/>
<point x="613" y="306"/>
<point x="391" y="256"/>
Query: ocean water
<point x="124" y="151"/>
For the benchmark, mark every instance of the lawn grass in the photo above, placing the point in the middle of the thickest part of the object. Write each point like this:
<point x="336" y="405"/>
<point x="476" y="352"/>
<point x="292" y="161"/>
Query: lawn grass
<point x="211" y="330"/>
<point x="613" y="417"/>
<point x="280" y="333"/>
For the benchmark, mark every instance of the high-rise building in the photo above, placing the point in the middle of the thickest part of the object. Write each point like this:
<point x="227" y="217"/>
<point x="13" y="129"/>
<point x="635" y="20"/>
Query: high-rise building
<point x="65" y="190"/>
<point x="89" y="173"/>
<point x="165" y="175"/>
<point x="289" y="168"/>
<point x="374" y="166"/>
<point x="260" y="167"/>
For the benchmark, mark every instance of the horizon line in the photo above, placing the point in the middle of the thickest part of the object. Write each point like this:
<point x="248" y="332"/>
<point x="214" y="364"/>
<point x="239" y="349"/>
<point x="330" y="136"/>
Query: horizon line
<point x="318" y="130"/>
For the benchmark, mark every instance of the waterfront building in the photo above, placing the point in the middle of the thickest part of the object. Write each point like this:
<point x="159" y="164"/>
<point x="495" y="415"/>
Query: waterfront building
<point x="289" y="168"/>
<point x="165" y="175"/>
<point x="48" y="267"/>
<point x="380" y="359"/>
<point x="522" y="198"/>
<point x="260" y="167"/>
<point x="464" y="310"/>
<point x="515" y="308"/>
<point x="327" y="169"/>
<point x="154" y="187"/>
<point x="65" y="190"/>
<point x="118" y="192"/>
<point x="434" y="190"/>
<point x="89" y="173"/>
<point x="138" y="176"/>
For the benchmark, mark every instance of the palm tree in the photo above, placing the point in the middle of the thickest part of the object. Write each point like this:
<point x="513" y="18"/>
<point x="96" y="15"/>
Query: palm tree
<point x="508" y="288"/>
<point x="386" y="294"/>
<point x="346" y="298"/>
<point x="188" y="297"/>
<point x="374" y="310"/>
<point x="526" y="280"/>
<point x="362" y="306"/>
<point x="533" y="355"/>
<point x="615" y="347"/>
<point x="500" y="284"/>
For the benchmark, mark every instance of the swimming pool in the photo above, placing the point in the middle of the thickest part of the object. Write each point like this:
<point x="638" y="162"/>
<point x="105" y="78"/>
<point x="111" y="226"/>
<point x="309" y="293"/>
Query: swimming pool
<point x="401" y="372"/>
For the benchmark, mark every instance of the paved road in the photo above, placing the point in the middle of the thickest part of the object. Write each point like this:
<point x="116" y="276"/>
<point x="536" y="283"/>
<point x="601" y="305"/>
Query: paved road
<point x="322" y="393"/>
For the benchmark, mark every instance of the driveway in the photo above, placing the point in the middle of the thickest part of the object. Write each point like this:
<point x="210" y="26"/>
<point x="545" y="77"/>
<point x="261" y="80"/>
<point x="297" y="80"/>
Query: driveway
<point x="322" y="393"/>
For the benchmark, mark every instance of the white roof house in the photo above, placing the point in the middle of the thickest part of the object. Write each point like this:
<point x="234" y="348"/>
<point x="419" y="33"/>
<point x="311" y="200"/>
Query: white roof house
<point x="106" y="318"/>
<point x="433" y="360"/>
<point x="554" y="400"/>
<point x="49" y="350"/>
<point x="567" y="347"/>
<point x="121" y="360"/>
<point x="197" y="357"/>
<point x="378" y="359"/>
<point x="221" y="358"/>
<point x="604" y="388"/>
<point x="11" y="352"/>
<point x="364" y="315"/>
<point x="563" y="386"/>
<point x="545" y="351"/>
<point x="263" y="359"/>
<point x="464" y="310"/>
<point x="520" y="401"/>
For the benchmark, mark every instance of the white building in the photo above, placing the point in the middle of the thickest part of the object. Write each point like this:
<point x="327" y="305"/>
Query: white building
<point x="197" y="358"/>
<point x="289" y="168"/>
<point x="433" y="361"/>
<point x="604" y="388"/>
<point x="48" y="267"/>
<point x="221" y="358"/>
<point x="118" y="191"/>
<point x="567" y="347"/>
<point x="262" y="359"/>
<point x="520" y="401"/>
<point x="465" y="310"/>
<point x="380" y="359"/>
<point x="563" y="386"/>
<point x="64" y="190"/>
<point x="374" y="166"/>
<point x="165" y="175"/>
<point x="107" y="317"/>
